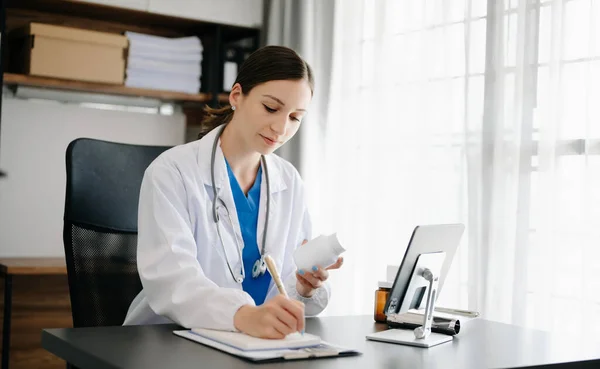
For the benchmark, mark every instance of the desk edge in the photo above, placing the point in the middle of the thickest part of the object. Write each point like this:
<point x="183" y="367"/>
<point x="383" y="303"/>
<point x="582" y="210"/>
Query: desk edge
<point x="65" y="351"/>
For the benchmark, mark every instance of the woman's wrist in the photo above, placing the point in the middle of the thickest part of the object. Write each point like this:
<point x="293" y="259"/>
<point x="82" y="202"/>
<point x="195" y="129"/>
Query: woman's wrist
<point x="242" y="316"/>
<point x="305" y="291"/>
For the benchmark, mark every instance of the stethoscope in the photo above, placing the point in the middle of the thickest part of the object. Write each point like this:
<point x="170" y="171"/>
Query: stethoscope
<point x="260" y="267"/>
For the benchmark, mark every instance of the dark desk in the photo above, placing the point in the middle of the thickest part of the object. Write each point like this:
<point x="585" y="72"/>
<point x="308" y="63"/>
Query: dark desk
<point x="481" y="344"/>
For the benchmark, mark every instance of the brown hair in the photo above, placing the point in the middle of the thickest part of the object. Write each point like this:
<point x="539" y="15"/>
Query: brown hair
<point x="269" y="63"/>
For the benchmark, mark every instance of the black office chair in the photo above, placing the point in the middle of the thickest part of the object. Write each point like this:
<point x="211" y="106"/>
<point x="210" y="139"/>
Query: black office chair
<point x="100" y="227"/>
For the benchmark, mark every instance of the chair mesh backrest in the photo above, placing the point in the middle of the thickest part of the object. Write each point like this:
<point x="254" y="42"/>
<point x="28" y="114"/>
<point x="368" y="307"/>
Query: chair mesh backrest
<point x="100" y="227"/>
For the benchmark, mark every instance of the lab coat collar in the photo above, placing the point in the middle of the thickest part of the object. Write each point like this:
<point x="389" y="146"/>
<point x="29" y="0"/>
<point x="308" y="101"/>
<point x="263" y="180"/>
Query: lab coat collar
<point x="277" y="184"/>
<point x="221" y="177"/>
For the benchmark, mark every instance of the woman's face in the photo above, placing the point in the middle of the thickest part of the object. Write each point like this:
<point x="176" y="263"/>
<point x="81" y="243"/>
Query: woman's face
<point x="271" y="113"/>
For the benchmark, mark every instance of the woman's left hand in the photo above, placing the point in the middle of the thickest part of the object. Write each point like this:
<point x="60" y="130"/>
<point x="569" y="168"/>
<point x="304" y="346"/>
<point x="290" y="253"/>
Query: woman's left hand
<point x="308" y="281"/>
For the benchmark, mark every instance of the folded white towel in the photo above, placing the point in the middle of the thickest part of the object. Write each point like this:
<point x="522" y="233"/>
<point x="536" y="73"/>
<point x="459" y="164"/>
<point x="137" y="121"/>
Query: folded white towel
<point x="186" y="43"/>
<point x="163" y="55"/>
<point x="160" y="66"/>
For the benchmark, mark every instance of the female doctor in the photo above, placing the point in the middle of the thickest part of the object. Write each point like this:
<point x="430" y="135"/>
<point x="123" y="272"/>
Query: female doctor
<point x="210" y="210"/>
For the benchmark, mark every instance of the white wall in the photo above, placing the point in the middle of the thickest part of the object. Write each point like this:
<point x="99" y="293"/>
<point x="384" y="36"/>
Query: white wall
<point x="130" y="4"/>
<point x="246" y="13"/>
<point x="34" y="138"/>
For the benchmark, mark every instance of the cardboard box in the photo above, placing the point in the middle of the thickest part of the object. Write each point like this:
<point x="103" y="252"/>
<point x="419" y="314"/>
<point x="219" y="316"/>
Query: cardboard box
<point x="72" y="53"/>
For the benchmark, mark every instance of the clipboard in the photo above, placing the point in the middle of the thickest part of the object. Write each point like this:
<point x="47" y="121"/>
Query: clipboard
<point x="322" y="350"/>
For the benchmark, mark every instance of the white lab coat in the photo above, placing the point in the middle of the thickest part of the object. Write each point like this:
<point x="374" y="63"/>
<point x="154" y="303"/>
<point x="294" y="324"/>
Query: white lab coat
<point x="180" y="259"/>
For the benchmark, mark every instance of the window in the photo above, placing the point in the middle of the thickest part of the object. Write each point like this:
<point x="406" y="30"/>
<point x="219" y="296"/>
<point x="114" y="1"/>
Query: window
<point x="447" y="111"/>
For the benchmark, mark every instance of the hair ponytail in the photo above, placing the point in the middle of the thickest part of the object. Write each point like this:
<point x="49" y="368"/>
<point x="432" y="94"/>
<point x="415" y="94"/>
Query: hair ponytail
<point x="214" y="117"/>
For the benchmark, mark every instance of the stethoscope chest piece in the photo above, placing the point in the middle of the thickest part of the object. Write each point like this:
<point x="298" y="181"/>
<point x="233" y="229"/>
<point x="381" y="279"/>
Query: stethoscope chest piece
<point x="259" y="268"/>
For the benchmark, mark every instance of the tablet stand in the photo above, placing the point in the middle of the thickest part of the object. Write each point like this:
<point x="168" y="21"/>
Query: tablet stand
<point x="424" y="279"/>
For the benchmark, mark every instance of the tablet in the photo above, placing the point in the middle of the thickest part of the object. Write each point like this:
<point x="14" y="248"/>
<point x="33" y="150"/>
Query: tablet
<point x="425" y="239"/>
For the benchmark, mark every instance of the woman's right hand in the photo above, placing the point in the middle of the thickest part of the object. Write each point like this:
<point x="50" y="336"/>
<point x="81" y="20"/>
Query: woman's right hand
<point x="274" y="319"/>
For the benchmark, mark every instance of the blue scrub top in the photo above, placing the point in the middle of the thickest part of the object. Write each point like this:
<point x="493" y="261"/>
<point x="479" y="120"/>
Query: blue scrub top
<point x="247" y="212"/>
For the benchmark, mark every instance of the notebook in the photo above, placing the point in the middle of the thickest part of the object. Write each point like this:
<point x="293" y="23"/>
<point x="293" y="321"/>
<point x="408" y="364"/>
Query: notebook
<point x="257" y="350"/>
<point x="245" y="342"/>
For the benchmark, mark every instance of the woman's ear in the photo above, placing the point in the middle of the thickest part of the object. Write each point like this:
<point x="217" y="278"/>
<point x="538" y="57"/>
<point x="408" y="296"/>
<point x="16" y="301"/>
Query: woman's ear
<point x="235" y="95"/>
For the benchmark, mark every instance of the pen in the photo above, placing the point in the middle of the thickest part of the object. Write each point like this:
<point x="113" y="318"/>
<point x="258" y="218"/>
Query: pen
<point x="276" y="278"/>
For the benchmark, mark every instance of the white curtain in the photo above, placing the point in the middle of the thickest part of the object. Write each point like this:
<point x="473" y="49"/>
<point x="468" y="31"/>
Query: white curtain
<point x="473" y="111"/>
<point x="305" y="26"/>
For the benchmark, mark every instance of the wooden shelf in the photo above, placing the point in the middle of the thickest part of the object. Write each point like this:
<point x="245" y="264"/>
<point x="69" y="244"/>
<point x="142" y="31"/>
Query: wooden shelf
<point x="33" y="266"/>
<point x="25" y="80"/>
